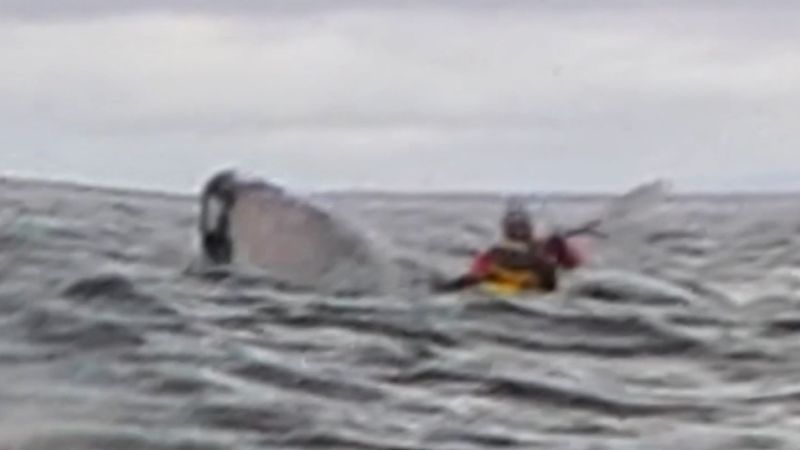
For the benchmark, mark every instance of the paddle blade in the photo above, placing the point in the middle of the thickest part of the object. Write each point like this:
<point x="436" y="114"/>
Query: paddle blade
<point x="639" y="199"/>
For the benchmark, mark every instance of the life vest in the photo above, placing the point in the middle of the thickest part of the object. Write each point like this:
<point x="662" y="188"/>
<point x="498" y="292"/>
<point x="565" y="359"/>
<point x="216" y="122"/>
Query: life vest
<point x="518" y="265"/>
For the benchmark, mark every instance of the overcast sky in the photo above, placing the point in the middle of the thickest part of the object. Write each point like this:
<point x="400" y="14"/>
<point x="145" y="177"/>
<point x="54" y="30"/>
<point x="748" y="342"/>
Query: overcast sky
<point x="438" y="94"/>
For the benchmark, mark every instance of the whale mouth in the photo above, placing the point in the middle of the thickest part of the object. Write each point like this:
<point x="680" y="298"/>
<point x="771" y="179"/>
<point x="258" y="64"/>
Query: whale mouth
<point x="217" y="200"/>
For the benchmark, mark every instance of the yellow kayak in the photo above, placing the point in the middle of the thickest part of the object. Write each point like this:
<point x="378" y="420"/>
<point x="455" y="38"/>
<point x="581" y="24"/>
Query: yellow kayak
<point x="500" y="288"/>
<point x="513" y="288"/>
<point x="505" y="283"/>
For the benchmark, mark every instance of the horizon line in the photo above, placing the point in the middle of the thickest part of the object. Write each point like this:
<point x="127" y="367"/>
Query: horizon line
<point x="449" y="192"/>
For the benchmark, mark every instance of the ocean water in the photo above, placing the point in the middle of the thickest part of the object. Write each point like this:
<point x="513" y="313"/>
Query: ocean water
<point x="680" y="334"/>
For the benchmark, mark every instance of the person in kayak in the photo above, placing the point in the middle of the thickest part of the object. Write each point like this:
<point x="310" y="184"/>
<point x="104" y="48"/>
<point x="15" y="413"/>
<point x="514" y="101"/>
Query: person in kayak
<point x="520" y="258"/>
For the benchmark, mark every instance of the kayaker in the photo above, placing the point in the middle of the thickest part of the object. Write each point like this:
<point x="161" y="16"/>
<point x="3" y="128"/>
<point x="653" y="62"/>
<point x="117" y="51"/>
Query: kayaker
<point x="519" y="258"/>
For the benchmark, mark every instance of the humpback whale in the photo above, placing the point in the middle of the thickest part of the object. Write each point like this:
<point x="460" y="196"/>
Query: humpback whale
<point x="245" y="221"/>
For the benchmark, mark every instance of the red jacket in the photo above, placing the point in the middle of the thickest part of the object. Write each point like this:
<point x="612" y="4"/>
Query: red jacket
<point x="565" y="254"/>
<point x="556" y="248"/>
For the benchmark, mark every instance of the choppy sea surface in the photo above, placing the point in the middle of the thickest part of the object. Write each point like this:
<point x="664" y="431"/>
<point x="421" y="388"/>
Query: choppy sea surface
<point x="682" y="333"/>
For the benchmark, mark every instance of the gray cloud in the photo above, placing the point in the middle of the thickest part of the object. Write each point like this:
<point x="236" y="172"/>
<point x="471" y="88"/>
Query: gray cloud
<point x="76" y="9"/>
<point x="549" y="94"/>
<point x="72" y="9"/>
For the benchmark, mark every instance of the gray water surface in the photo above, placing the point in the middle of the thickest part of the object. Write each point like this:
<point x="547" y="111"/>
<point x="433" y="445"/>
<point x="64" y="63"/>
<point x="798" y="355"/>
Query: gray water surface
<point x="681" y="334"/>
